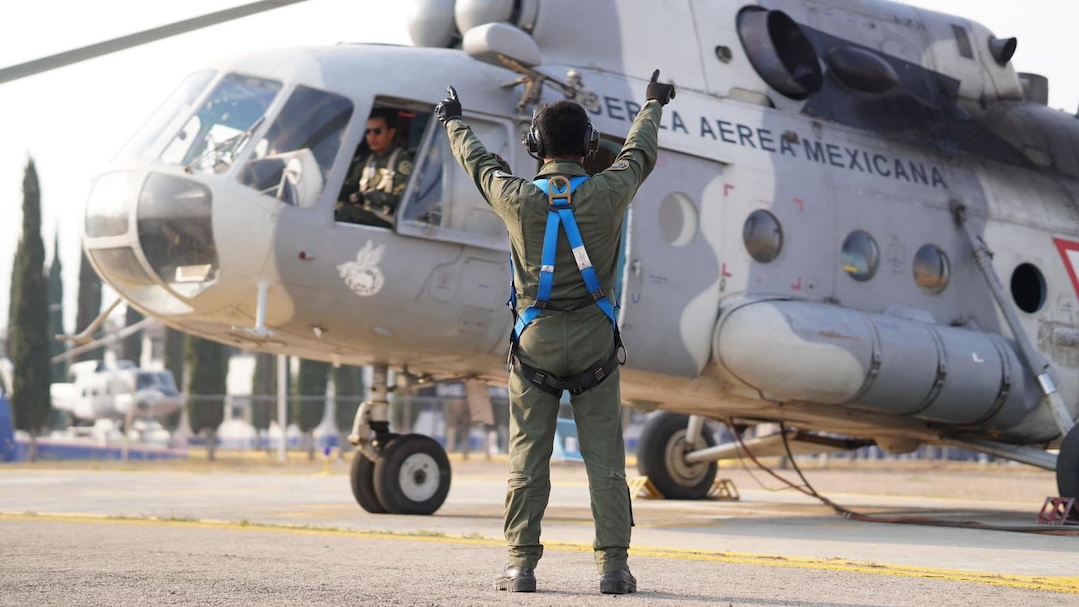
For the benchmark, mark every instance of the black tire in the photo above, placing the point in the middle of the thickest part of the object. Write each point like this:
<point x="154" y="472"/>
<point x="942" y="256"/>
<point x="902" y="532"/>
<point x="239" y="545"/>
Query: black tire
<point x="413" y="475"/>
<point x="1068" y="465"/>
<point x="361" y="477"/>
<point x="659" y="457"/>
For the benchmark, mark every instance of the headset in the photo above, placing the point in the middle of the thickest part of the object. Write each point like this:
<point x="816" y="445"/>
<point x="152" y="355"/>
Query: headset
<point x="533" y="139"/>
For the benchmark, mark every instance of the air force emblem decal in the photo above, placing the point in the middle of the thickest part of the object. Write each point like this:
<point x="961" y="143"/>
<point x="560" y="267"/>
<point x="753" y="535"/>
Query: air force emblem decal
<point x="363" y="275"/>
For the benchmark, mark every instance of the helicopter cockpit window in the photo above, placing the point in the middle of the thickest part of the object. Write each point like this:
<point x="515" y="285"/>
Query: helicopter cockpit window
<point x="292" y="162"/>
<point x="381" y="166"/>
<point x="860" y="255"/>
<point x="213" y="138"/>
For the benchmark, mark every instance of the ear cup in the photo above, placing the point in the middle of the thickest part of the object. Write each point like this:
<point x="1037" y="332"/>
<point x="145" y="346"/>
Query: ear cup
<point x="533" y="140"/>
<point x="537" y="137"/>
<point x="591" y="140"/>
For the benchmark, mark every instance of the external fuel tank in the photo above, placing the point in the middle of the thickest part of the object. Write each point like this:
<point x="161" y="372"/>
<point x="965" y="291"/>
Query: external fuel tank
<point x="794" y="350"/>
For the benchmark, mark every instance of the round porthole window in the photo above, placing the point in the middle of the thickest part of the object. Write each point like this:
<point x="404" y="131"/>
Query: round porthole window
<point x="860" y="255"/>
<point x="931" y="268"/>
<point x="1028" y="288"/>
<point x="762" y="236"/>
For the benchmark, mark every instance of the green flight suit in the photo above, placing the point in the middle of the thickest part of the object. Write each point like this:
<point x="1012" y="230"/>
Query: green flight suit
<point x="379" y="180"/>
<point x="570" y="336"/>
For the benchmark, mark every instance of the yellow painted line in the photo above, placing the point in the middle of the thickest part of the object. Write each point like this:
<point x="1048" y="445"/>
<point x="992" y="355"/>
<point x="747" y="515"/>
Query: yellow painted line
<point x="1046" y="583"/>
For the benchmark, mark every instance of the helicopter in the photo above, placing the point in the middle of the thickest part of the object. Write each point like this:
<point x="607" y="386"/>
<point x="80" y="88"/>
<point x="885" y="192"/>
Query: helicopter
<point x="863" y="223"/>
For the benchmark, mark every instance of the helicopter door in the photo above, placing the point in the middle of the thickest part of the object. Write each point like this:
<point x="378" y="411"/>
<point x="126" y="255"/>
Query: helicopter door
<point x="669" y="288"/>
<point x="442" y="202"/>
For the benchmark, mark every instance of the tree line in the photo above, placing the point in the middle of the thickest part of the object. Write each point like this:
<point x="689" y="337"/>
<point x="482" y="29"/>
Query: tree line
<point x="200" y="366"/>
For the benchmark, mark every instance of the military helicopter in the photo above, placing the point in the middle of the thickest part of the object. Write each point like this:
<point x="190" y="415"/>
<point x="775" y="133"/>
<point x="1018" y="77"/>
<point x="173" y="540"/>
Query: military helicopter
<point x="864" y="223"/>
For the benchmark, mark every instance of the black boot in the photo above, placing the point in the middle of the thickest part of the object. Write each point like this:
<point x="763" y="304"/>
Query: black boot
<point x="617" y="582"/>
<point x="516" y="579"/>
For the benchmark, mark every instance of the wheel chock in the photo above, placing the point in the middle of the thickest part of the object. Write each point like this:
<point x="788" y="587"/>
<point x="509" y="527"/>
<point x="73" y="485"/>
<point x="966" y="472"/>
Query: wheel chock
<point x="1059" y="511"/>
<point x="641" y="486"/>
<point x="723" y="489"/>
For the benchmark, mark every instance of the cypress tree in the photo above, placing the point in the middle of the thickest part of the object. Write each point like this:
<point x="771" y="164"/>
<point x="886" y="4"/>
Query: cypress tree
<point x="209" y="363"/>
<point x="263" y="392"/>
<point x="174" y="362"/>
<point x="56" y="312"/>
<point x="350" y="391"/>
<point x="28" y="324"/>
<point x="89" y="305"/>
<point x="132" y="345"/>
<point x="311" y="401"/>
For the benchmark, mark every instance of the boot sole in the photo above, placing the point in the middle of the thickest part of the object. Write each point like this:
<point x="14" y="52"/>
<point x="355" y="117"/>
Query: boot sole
<point x="617" y="586"/>
<point x="516" y="585"/>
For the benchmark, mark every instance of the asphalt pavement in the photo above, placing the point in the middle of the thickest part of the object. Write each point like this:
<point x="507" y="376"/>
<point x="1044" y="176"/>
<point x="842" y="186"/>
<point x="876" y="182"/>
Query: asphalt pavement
<point x="239" y="534"/>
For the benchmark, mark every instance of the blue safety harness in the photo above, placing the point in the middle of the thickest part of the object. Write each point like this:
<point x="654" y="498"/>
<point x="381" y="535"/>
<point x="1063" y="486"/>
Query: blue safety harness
<point x="559" y="192"/>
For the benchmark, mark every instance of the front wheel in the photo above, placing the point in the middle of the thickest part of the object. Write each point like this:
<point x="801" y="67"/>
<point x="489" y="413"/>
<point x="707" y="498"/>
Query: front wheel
<point x="362" y="478"/>
<point x="661" y="457"/>
<point x="413" y="475"/>
<point x="1068" y="465"/>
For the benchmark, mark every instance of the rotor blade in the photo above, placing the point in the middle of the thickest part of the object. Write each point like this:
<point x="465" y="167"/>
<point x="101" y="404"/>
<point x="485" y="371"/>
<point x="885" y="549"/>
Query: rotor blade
<point x="52" y="62"/>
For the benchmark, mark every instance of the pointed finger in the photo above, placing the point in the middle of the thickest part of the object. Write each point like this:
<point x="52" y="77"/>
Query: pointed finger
<point x="655" y="76"/>
<point x="453" y="93"/>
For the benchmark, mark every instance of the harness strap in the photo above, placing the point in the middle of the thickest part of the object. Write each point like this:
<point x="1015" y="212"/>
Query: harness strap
<point x="369" y="172"/>
<point x="577" y="384"/>
<point x="559" y="192"/>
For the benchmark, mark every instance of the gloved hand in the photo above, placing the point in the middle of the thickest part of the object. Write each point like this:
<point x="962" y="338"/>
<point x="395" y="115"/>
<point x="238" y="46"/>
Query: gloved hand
<point x="662" y="93"/>
<point x="449" y="108"/>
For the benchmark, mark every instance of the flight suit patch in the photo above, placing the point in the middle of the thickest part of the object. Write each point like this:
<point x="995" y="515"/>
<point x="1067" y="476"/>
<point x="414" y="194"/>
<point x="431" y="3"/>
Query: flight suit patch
<point x="404" y="168"/>
<point x="621" y="165"/>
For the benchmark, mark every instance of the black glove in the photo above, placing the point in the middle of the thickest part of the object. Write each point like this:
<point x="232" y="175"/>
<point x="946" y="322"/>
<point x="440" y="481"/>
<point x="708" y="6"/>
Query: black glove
<point x="449" y="108"/>
<point x="662" y="93"/>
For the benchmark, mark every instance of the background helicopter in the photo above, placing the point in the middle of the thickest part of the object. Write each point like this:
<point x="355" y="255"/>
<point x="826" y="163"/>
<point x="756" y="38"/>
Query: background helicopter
<point x="802" y="253"/>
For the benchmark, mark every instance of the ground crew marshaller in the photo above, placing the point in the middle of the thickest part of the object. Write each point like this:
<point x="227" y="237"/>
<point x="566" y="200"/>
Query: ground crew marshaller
<point x="565" y="336"/>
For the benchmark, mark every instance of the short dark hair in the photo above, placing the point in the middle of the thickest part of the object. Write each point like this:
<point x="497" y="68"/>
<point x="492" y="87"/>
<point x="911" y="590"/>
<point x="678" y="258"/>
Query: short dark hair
<point x="387" y="115"/>
<point x="563" y="125"/>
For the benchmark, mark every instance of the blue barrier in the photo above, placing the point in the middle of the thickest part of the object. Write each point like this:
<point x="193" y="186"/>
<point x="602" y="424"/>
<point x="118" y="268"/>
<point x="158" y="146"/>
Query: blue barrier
<point x="51" y="449"/>
<point x="7" y="430"/>
<point x="566" y="446"/>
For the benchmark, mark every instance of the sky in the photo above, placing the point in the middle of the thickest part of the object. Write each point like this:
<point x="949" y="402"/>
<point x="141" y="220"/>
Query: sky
<point x="73" y="120"/>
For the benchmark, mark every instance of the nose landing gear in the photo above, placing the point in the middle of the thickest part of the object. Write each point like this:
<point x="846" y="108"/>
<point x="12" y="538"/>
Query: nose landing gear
<point x="391" y="473"/>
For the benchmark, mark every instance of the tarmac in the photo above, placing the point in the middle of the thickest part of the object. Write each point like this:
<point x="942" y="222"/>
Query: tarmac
<point x="247" y="531"/>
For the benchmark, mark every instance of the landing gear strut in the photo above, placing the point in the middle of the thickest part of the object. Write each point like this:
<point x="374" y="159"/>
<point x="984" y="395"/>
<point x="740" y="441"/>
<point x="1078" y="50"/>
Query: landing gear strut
<point x="391" y="473"/>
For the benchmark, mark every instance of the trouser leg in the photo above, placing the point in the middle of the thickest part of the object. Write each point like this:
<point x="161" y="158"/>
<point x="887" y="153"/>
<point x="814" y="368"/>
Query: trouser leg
<point x="598" y="415"/>
<point x="533" y="416"/>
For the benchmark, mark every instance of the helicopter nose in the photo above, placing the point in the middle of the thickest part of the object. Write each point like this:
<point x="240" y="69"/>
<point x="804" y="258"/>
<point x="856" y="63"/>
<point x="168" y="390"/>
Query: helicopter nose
<point x="151" y="236"/>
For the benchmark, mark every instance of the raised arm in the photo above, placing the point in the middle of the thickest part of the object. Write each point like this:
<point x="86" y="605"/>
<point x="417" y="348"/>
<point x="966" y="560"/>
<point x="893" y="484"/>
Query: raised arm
<point x="489" y="171"/>
<point x="638" y="155"/>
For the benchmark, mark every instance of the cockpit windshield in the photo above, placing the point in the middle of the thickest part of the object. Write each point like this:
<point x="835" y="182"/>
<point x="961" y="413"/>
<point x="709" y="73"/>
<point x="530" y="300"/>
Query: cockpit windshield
<point x="212" y="139"/>
<point x="178" y="104"/>
<point x="293" y="160"/>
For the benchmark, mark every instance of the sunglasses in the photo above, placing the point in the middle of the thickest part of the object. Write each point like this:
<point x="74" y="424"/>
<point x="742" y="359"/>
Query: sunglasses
<point x="375" y="131"/>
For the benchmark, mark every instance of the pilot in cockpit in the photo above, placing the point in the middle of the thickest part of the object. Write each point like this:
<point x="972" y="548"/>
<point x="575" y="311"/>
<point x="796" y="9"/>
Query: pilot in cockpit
<point x="375" y="185"/>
